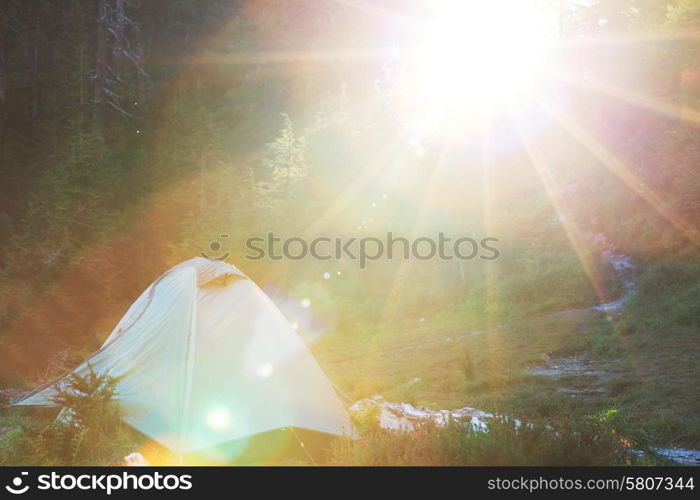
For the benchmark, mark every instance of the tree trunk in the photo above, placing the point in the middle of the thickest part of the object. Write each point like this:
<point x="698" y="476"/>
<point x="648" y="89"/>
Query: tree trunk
<point x="101" y="67"/>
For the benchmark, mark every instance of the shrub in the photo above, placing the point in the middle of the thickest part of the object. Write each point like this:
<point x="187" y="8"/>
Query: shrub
<point x="87" y="431"/>
<point x="668" y="299"/>
<point x="506" y="443"/>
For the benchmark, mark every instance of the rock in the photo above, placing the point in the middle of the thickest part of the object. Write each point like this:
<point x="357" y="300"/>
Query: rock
<point x="135" y="459"/>
<point x="9" y="395"/>
<point x="626" y="272"/>
<point x="568" y="366"/>
<point x="581" y="392"/>
<point x="405" y="417"/>
<point x="600" y="239"/>
<point x="680" y="455"/>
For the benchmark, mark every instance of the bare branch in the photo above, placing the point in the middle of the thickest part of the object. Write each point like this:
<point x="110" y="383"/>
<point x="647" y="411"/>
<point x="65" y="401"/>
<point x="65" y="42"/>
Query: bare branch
<point x="123" y="111"/>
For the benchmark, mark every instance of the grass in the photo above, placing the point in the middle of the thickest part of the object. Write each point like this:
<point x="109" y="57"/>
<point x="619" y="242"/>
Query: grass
<point x="581" y="442"/>
<point x="645" y="363"/>
<point x="639" y="372"/>
<point x="451" y="364"/>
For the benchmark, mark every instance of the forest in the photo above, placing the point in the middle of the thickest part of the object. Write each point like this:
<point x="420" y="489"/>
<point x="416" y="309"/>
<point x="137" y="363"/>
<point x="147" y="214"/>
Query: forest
<point x="136" y="134"/>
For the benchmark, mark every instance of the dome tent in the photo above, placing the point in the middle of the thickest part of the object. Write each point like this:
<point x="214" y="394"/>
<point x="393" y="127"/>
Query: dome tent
<point x="206" y="358"/>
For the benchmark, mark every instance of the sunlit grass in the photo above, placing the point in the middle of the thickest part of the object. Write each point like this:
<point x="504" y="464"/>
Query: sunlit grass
<point x="443" y="336"/>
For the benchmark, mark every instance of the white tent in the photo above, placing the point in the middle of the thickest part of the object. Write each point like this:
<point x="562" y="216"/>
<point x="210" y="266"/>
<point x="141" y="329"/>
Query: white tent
<point x="206" y="357"/>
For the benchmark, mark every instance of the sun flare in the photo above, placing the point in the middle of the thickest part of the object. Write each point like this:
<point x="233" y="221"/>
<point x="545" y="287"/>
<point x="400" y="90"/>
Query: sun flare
<point x="372" y="233"/>
<point x="481" y="54"/>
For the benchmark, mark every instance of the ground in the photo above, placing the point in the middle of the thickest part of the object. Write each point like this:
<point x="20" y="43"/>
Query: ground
<point x="569" y="363"/>
<point x="573" y="362"/>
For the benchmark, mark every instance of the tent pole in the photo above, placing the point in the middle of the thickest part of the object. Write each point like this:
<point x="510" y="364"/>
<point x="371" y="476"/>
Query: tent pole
<point x="189" y="370"/>
<point x="308" y="454"/>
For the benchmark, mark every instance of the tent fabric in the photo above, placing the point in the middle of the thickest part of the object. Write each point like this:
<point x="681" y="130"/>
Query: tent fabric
<point x="206" y="357"/>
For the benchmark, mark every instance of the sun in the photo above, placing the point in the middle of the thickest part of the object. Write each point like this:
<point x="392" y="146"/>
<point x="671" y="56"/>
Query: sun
<point x="481" y="54"/>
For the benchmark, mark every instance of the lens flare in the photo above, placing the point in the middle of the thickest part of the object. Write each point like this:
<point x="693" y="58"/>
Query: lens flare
<point x="265" y="370"/>
<point x="219" y="419"/>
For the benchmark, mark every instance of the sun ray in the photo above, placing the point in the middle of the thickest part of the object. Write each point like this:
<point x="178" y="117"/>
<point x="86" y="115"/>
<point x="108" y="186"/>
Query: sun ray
<point x="622" y="172"/>
<point x="601" y="40"/>
<point x="666" y="109"/>
<point x="578" y="242"/>
<point x="492" y="296"/>
<point x="281" y="57"/>
<point x="382" y="13"/>
<point x="347" y="199"/>
<point x="402" y="275"/>
<point x="487" y="191"/>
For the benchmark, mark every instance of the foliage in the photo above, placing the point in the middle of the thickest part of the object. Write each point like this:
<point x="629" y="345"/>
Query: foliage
<point x="286" y="162"/>
<point x="97" y="199"/>
<point x="566" y="442"/>
<point x="87" y="431"/>
<point x="668" y="300"/>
